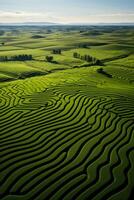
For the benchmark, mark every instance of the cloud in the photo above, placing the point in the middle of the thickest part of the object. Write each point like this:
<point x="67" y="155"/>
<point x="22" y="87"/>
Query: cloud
<point x="23" y="16"/>
<point x="112" y="17"/>
<point x="102" y="18"/>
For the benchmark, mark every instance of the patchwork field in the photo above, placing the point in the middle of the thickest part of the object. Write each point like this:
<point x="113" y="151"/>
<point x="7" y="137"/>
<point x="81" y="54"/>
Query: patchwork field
<point x="67" y="125"/>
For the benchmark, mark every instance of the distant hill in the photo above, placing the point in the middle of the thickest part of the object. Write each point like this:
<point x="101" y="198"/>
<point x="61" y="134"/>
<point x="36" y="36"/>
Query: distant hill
<point x="102" y="24"/>
<point x="69" y="24"/>
<point x="30" y="24"/>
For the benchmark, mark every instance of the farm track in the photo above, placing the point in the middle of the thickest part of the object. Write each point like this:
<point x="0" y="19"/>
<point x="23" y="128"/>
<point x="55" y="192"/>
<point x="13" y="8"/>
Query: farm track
<point x="65" y="145"/>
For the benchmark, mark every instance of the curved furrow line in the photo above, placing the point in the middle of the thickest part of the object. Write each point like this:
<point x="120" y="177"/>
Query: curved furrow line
<point x="45" y="142"/>
<point x="55" y="116"/>
<point x="39" y="169"/>
<point x="111" y="178"/>
<point x="15" y="156"/>
<point x="131" y="180"/>
<point x="70" y="110"/>
<point x="15" y="116"/>
<point x="120" y="191"/>
<point x="2" y="103"/>
<point x="68" y="185"/>
<point x="66" y="102"/>
<point x="5" y="107"/>
<point x="64" y="178"/>
<point x="92" y="180"/>
<point x="10" y="116"/>
<point x="124" y="103"/>
<point x="129" y="116"/>
<point x="119" y="107"/>
<point x="23" y="120"/>
<point x="125" y="100"/>
<point x="67" y="175"/>
<point x="112" y="108"/>
<point x="129" y="110"/>
<point x="53" y="150"/>
<point x="121" y="168"/>
<point x="88" y="190"/>
<point x="8" y="93"/>
<point x="18" y="114"/>
<point x="10" y="100"/>
<point x="28" y="87"/>
<point x="19" y="131"/>
<point x="54" y="161"/>
<point x="50" y="139"/>
<point x="69" y="162"/>
<point x="64" y="106"/>
<point x="6" y="113"/>
<point x="41" y="144"/>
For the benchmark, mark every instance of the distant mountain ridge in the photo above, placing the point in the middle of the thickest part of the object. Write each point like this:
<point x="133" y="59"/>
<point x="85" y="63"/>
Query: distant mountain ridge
<point x="31" y="24"/>
<point x="69" y="24"/>
<point x="104" y="24"/>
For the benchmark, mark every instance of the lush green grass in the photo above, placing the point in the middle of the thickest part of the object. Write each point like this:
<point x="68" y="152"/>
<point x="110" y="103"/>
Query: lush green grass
<point x="5" y="77"/>
<point x="127" y="62"/>
<point x="47" y="66"/>
<point x="98" y="53"/>
<point x="67" y="133"/>
<point x="15" y="69"/>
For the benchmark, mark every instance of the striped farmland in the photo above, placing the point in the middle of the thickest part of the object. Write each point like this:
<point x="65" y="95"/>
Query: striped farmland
<point x="65" y="143"/>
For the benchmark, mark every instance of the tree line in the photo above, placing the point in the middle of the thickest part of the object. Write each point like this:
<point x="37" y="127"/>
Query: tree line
<point x="24" y="57"/>
<point x="88" y="58"/>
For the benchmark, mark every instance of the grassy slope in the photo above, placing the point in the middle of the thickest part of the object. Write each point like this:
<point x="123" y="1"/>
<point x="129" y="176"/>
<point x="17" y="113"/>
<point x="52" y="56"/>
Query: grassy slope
<point x="68" y="134"/>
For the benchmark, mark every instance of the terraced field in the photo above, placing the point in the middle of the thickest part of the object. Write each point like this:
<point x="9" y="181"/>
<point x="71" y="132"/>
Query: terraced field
<point x="68" y="134"/>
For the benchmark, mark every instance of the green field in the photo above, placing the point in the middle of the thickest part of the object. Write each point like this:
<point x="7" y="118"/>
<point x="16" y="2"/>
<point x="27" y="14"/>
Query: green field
<point x="67" y="126"/>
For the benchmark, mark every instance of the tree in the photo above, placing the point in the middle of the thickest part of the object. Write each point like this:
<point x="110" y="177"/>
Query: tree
<point x="5" y="58"/>
<point x="83" y="45"/>
<point x="49" y="58"/>
<point x="56" y="51"/>
<point x="59" y="51"/>
<point x="89" y="58"/>
<point x="82" y="57"/>
<point x="75" y="55"/>
<point x="100" y="70"/>
<point x="98" y="62"/>
<point x="94" y="60"/>
<point x="30" y="57"/>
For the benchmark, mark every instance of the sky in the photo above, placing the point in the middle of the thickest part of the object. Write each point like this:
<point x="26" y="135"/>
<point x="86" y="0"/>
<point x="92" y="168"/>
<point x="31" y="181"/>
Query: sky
<point x="67" y="11"/>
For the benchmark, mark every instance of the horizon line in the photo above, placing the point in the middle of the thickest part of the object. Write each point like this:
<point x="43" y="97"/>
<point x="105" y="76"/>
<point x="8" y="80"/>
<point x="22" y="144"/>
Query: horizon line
<point x="62" y="23"/>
